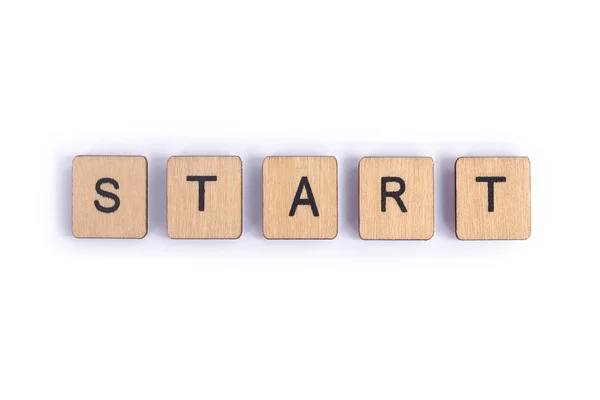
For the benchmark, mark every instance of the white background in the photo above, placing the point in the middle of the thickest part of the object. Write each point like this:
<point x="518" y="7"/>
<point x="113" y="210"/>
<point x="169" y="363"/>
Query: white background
<point x="341" y="319"/>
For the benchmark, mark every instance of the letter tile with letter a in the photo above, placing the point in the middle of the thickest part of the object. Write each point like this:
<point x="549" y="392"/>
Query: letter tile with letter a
<point x="396" y="198"/>
<point x="110" y="197"/>
<point x="300" y="198"/>
<point x="493" y="198"/>
<point x="204" y="197"/>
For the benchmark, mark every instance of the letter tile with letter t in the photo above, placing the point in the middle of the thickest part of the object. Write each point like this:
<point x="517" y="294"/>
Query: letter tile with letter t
<point x="493" y="198"/>
<point x="396" y="198"/>
<point x="110" y="197"/>
<point x="204" y="197"/>
<point x="300" y="198"/>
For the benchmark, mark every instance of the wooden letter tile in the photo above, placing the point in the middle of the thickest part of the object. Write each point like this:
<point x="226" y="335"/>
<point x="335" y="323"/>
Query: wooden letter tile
<point x="300" y="198"/>
<point x="204" y="197"/>
<point x="493" y="198"/>
<point x="110" y="197"/>
<point x="396" y="198"/>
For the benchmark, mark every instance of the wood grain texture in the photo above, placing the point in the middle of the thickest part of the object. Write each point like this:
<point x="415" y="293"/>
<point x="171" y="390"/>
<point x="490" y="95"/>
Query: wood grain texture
<point x="417" y="223"/>
<point x="511" y="215"/>
<point x="130" y="219"/>
<point x="281" y="179"/>
<point x="222" y="214"/>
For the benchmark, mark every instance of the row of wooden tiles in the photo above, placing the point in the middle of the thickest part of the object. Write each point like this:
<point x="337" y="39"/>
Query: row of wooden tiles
<point x="300" y="197"/>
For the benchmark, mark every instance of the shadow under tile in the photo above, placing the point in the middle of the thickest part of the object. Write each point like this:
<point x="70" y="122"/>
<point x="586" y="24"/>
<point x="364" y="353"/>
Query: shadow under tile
<point x="252" y="196"/>
<point x="445" y="198"/>
<point x="157" y="195"/>
<point x="348" y="172"/>
<point x="65" y="195"/>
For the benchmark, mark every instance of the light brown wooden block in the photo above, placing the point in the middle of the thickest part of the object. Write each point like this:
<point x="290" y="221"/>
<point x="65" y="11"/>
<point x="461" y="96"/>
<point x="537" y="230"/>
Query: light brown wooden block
<point x="204" y="197"/>
<point x="110" y="197"/>
<point x="493" y="198"/>
<point x="300" y="198"/>
<point x="396" y="198"/>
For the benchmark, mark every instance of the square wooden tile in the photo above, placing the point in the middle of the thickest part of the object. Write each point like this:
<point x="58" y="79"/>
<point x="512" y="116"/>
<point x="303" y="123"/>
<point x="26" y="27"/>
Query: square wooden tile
<point x="204" y="197"/>
<point x="493" y="198"/>
<point x="396" y="198"/>
<point x="110" y="197"/>
<point x="300" y="198"/>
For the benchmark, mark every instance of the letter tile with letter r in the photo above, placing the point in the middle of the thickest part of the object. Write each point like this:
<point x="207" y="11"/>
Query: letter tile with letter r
<point x="396" y="198"/>
<point x="204" y="197"/>
<point x="110" y="197"/>
<point x="300" y="198"/>
<point x="493" y="198"/>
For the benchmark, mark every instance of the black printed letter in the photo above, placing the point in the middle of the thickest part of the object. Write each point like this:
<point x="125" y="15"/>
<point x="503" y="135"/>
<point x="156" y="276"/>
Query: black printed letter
<point x="394" y="195"/>
<point x="108" y="195"/>
<point x="201" y="189"/>
<point x="310" y="200"/>
<point x="490" y="181"/>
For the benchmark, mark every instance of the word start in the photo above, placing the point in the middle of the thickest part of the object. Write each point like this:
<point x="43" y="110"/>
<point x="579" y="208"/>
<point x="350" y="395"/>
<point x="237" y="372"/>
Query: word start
<point x="300" y="197"/>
